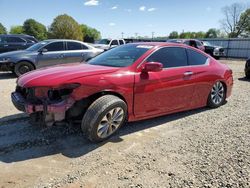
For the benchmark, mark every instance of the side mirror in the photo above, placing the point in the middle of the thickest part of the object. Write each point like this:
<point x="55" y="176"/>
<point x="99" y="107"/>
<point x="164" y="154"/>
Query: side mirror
<point x="43" y="50"/>
<point x="152" y="67"/>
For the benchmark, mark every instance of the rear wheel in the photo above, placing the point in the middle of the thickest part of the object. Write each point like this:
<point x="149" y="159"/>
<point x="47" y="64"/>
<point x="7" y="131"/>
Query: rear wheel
<point x="23" y="67"/>
<point x="104" y="117"/>
<point x="217" y="95"/>
<point x="248" y="75"/>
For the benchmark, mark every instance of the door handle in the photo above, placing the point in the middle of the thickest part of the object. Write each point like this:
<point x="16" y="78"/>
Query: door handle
<point x="188" y="73"/>
<point x="61" y="56"/>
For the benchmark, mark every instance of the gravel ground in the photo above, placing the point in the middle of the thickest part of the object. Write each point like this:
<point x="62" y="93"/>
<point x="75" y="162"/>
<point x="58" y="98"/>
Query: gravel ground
<point x="199" y="148"/>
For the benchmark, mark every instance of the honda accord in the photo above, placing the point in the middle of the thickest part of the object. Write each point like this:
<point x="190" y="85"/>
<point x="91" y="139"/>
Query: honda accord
<point x="128" y="83"/>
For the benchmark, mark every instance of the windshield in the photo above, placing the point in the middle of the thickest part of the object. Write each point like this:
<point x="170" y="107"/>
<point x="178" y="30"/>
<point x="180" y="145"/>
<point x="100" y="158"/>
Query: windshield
<point x="206" y="43"/>
<point x="37" y="46"/>
<point x="103" y="41"/>
<point x="121" y="56"/>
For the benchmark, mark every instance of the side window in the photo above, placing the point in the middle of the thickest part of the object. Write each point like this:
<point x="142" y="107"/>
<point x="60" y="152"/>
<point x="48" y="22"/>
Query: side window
<point x="196" y="58"/>
<point x="121" y="42"/>
<point x="84" y="47"/>
<point x="74" y="46"/>
<point x="198" y="43"/>
<point x="55" y="46"/>
<point x="170" y="57"/>
<point x="114" y="42"/>
<point x="14" y="39"/>
<point x="1" y="40"/>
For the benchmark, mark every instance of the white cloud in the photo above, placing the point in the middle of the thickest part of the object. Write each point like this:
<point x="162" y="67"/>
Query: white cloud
<point x="151" y="9"/>
<point x="91" y="3"/>
<point x="114" y="7"/>
<point x="142" y="8"/>
<point x="112" y="24"/>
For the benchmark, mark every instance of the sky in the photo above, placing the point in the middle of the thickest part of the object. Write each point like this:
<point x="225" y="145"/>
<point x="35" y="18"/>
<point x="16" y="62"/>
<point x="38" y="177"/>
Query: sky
<point x="114" y="17"/>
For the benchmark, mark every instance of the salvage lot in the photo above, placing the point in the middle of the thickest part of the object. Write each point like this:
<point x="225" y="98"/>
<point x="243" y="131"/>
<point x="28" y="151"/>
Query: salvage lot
<point x="199" y="148"/>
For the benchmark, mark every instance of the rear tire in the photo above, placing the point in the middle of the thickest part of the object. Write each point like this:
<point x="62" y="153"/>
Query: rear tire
<point x="104" y="117"/>
<point x="23" y="67"/>
<point x="248" y="75"/>
<point x="217" y="95"/>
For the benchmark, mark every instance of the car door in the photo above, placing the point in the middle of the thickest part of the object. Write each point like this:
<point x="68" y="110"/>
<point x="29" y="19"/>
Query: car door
<point x="51" y="54"/>
<point x="76" y="52"/>
<point x="168" y="90"/>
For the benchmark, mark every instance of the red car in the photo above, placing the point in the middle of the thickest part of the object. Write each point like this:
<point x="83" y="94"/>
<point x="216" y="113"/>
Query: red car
<point x="128" y="83"/>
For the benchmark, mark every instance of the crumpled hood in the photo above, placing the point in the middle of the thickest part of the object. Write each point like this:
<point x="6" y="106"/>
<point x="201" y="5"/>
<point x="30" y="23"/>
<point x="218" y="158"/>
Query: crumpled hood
<point x="60" y="75"/>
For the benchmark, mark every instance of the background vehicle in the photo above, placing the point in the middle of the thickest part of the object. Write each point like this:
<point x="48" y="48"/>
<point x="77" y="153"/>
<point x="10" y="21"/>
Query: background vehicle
<point x="247" y="68"/>
<point x="191" y="42"/>
<point x="16" y="42"/>
<point x="106" y="44"/>
<point x="214" y="51"/>
<point x="46" y="53"/>
<point x="130" y="82"/>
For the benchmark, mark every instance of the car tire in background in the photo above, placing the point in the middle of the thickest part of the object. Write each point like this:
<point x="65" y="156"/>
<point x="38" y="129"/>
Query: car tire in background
<point x="217" y="95"/>
<point x="23" y="67"/>
<point x="104" y="117"/>
<point x="248" y="75"/>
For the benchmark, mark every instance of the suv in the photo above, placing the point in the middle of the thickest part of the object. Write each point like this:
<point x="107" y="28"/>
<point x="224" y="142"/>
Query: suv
<point x="190" y="42"/>
<point x="107" y="44"/>
<point x="16" y="42"/>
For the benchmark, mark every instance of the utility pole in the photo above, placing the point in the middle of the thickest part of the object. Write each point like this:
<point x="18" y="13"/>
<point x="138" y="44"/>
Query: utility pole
<point x="153" y="35"/>
<point x="122" y="35"/>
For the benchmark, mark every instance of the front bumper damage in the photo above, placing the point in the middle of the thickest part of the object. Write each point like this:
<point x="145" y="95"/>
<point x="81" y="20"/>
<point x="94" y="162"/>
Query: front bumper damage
<point x="49" y="112"/>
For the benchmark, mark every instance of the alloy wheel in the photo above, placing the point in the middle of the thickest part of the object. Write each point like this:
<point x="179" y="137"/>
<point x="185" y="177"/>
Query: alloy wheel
<point x="110" y="122"/>
<point x="217" y="94"/>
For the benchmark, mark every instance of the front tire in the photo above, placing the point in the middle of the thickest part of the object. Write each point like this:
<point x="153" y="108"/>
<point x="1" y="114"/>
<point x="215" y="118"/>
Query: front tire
<point x="22" y="68"/>
<point x="248" y="75"/>
<point x="217" y="95"/>
<point x="104" y="117"/>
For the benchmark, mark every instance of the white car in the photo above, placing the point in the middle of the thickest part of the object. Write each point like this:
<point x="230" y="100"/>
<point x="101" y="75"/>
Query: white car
<point x="106" y="44"/>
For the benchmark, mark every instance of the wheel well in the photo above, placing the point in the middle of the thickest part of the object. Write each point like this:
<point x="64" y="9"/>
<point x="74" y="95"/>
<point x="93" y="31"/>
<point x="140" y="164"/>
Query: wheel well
<point x="27" y="62"/>
<point x="78" y="109"/>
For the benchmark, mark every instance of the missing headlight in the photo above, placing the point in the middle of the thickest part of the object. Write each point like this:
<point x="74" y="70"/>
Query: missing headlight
<point x="57" y="95"/>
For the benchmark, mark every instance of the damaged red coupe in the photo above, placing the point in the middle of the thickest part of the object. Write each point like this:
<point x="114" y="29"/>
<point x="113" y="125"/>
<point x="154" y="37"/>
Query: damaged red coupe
<point x="128" y="83"/>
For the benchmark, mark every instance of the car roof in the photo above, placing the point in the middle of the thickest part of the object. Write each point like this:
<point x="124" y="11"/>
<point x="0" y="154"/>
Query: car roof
<point x="63" y="40"/>
<point x="16" y="35"/>
<point x="160" y="44"/>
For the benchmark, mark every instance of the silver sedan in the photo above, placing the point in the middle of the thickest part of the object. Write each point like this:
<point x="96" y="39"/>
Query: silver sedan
<point x="47" y="53"/>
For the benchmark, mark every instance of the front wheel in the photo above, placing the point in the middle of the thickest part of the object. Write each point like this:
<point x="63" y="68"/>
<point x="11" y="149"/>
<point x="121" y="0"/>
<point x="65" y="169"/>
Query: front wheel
<point x="104" y="117"/>
<point x="248" y="74"/>
<point x="23" y="67"/>
<point x="217" y="95"/>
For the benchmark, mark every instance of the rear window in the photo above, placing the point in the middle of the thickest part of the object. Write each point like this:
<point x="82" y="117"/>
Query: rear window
<point x="121" y="42"/>
<point x="196" y="58"/>
<point x="74" y="46"/>
<point x="14" y="39"/>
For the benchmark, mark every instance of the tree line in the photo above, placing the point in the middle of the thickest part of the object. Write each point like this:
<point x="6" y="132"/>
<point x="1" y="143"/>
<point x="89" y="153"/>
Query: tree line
<point x="62" y="27"/>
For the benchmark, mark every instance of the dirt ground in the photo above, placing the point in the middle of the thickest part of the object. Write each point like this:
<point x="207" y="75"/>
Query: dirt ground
<point x="198" y="148"/>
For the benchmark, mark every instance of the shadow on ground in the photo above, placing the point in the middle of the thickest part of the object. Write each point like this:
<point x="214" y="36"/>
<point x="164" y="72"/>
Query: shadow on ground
<point x="244" y="79"/>
<point x="21" y="141"/>
<point x="7" y="75"/>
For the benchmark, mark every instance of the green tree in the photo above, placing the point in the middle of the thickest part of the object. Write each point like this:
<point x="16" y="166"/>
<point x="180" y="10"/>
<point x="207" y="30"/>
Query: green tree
<point x="90" y="34"/>
<point x="200" y="35"/>
<point x="2" y="29"/>
<point x="244" y="23"/>
<point x="65" y="27"/>
<point x="34" y="28"/>
<point x="18" y="29"/>
<point x="212" y="33"/>
<point x="173" y="35"/>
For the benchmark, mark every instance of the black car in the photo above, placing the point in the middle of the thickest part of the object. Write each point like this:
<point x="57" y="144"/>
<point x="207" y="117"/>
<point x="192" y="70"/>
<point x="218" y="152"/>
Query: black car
<point x="214" y="51"/>
<point x="15" y="42"/>
<point x="247" y="68"/>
